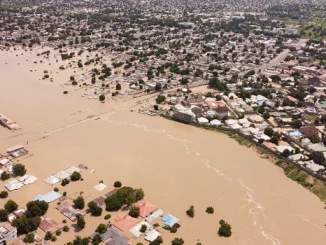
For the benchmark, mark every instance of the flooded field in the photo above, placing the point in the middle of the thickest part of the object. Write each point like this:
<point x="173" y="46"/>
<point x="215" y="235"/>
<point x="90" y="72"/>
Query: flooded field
<point x="175" y="164"/>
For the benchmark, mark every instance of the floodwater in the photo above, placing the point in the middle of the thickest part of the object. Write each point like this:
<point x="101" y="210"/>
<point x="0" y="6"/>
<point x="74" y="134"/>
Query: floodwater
<point x="176" y="165"/>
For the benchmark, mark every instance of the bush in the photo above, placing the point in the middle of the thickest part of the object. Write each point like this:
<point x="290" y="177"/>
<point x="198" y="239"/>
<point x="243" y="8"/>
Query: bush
<point x="210" y="210"/>
<point x="177" y="241"/>
<point x="65" y="182"/>
<point x="157" y="241"/>
<point x="74" y="83"/>
<point x="29" y="238"/>
<point x="191" y="212"/>
<point x="117" y="184"/>
<point x="156" y="107"/>
<point x="48" y="236"/>
<point x="65" y="228"/>
<point x="11" y="206"/>
<point x="102" y="228"/>
<point x="56" y="189"/>
<point x="64" y="193"/>
<point x="143" y="228"/>
<point x="75" y="176"/>
<point x="3" y="215"/>
<point x="5" y="176"/>
<point x="134" y="211"/>
<point x="225" y="229"/>
<point x="102" y="97"/>
<point x="53" y="239"/>
<point x="160" y="99"/>
<point x="156" y="225"/>
<point x="58" y="233"/>
<point x="118" y="86"/>
<point x="19" y="169"/>
<point x="79" y="202"/>
<point x="108" y="216"/>
<point x="65" y="92"/>
<point x="3" y="194"/>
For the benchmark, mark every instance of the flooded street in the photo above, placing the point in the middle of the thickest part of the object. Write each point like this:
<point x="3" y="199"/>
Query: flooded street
<point x="177" y="165"/>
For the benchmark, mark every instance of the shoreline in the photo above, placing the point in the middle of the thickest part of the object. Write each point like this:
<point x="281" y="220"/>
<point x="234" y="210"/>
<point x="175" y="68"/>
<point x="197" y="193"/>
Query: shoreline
<point x="291" y="169"/>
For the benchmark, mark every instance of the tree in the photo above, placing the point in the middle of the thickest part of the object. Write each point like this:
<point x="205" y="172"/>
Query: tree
<point x="156" y="107"/>
<point x="19" y="169"/>
<point x="158" y="87"/>
<point x="274" y="140"/>
<point x="118" y="86"/>
<point x="117" y="184"/>
<point x="296" y="123"/>
<point x="318" y="158"/>
<point x="65" y="228"/>
<point x="269" y="131"/>
<point x="225" y="229"/>
<point x="160" y="99"/>
<point x="102" y="228"/>
<point x="266" y="115"/>
<point x="36" y="208"/>
<point x="48" y="236"/>
<point x="25" y="225"/>
<point x="102" y="97"/>
<point x="139" y="194"/>
<point x="134" y="211"/>
<point x="157" y="241"/>
<point x="97" y="239"/>
<point x="3" y="194"/>
<point x="286" y="153"/>
<point x="29" y="238"/>
<point x="80" y="221"/>
<point x="5" y="176"/>
<point x="80" y="241"/>
<point x="191" y="212"/>
<point x="143" y="228"/>
<point x="11" y="206"/>
<point x="75" y="176"/>
<point x="113" y="203"/>
<point x="94" y="209"/>
<point x="3" y="215"/>
<point x="79" y="202"/>
<point x="177" y="241"/>
<point x="210" y="210"/>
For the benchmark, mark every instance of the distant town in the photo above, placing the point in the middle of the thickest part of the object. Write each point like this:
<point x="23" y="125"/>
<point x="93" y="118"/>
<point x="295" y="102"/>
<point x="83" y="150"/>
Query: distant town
<point x="255" y="69"/>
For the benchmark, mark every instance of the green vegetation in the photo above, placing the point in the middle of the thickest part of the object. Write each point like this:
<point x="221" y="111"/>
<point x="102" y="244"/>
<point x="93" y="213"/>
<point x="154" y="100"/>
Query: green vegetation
<point x="134" y="211"/>
<point x="124" y="196"/>
<point x="157" y="241"/>
<point x="94" y="209"/>
<point x="210" y="210"/>
<point x="102" y="97"/>
<point x="5" y="176"/>
<point x="65" y="182"/>
<point x="101" y="228"/>
<point x="160" y="99"/>
<point x="3" y="194"/>
<point x="79" y="202"/>
<point x="117" y="184"/>
<point x="97" y="239"/>
<point x="25" y="225"/>
<point x="19" y="169"/>
<point x="225" y="229"/>
<point x="36" y="208"/>
<point x="3" y="215"/>
<point x="191" y="212"/>
<point x="143" y="228"/>
<point x="80" y="221"/>
<point x="108" y="216"/>
<point x="75" y="176"/>
<point x="11" y="206"/>
<point x="177" y="241"/>
<point x="29" y="238"/>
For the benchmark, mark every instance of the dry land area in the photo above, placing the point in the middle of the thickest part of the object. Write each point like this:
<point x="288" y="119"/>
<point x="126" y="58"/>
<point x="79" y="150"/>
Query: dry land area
<point x="175" y="164"/>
